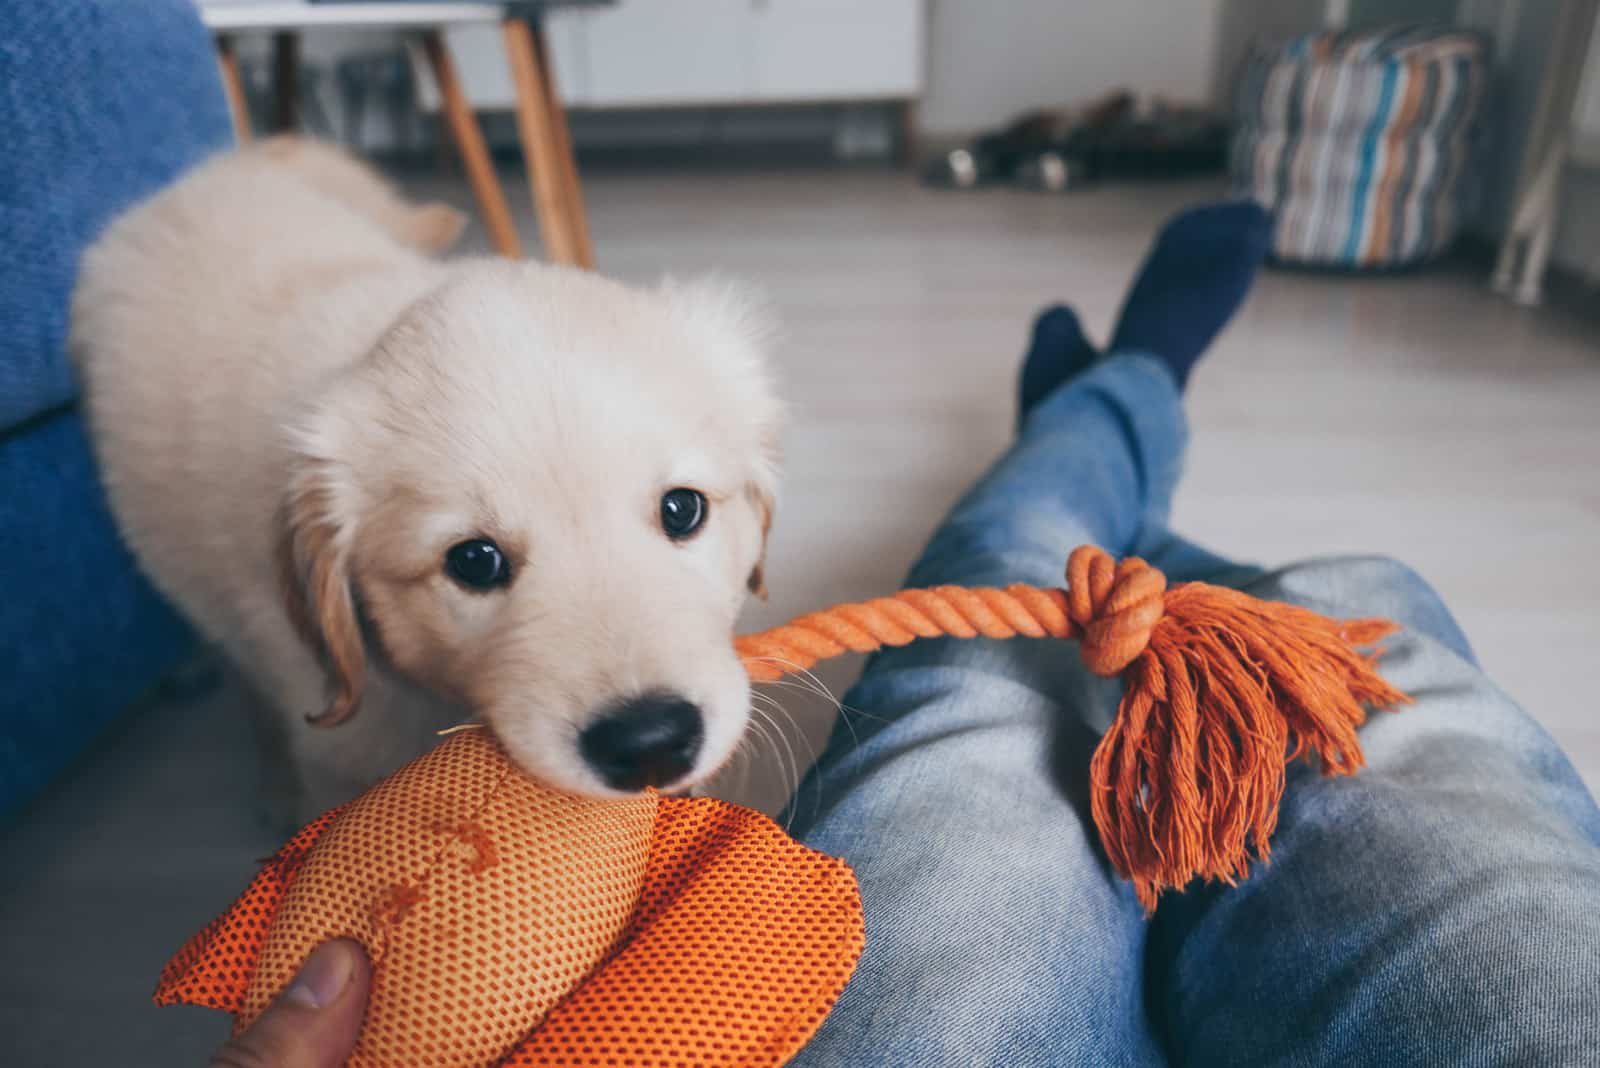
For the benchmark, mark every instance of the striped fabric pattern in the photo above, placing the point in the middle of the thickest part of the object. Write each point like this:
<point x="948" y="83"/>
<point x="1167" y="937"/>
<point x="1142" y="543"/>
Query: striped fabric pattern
<point x="1358" y="142"/>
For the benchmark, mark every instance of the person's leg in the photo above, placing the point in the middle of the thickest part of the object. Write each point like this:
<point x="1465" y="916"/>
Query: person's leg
<point x="1095" y="461"/>
<point x="995" y="933"/>
<point x="956" y="783"/>
<point x="1100" y="440"/>
<point x="1182" y="560"/>
<point x="1439" y="907"/>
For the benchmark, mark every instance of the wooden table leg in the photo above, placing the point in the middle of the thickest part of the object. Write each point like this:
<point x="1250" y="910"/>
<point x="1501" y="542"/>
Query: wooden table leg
<point x="572" y="190"/>
<point x="233" y="87"/>
<point x="285" y="81"/>
<point x="547" y="148"/>
<point x="469" y="142"/>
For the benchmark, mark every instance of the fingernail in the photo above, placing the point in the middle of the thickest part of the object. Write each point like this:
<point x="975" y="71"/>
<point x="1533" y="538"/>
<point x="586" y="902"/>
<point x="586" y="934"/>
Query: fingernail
<point x="323" y="977"/>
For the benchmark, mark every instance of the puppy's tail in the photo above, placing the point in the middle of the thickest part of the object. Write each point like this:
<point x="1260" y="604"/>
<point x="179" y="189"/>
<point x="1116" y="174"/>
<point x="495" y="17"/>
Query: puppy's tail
<point x="430" y="228"/>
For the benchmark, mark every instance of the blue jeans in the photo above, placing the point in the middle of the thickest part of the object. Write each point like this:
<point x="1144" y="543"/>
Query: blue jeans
<point x="1441" y="907"/>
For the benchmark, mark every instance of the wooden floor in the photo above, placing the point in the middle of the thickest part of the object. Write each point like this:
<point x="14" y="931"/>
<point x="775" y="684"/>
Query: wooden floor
<point x="1415" y="416"/>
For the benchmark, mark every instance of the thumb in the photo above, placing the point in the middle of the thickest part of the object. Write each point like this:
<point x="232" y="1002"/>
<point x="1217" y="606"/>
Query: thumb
<point x="315" y="1021"/>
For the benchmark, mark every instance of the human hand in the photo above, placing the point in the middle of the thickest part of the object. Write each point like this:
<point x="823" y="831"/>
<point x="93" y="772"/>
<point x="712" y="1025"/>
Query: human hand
<point x="315" y="1021"/>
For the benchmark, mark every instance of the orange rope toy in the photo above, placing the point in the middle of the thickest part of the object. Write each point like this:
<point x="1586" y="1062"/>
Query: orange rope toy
<point x="1220" y="691"/>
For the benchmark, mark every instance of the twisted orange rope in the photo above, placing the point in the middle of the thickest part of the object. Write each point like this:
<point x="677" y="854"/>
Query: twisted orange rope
<point x="1113" y="632"/>
<point x="1219" y="691"/>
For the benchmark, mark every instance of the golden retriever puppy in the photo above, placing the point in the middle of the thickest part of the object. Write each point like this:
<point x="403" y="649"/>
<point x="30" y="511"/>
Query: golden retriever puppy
<point x="431" y="490"/>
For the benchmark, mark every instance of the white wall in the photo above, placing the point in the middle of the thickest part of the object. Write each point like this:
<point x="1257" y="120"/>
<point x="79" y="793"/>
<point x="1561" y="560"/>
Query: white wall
<point x="990" y="59"/>
<point x="1243" y="21"/>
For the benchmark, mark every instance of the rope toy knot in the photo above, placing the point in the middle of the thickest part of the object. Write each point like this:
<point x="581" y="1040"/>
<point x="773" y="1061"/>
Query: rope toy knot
<point x="1115" y="605"/>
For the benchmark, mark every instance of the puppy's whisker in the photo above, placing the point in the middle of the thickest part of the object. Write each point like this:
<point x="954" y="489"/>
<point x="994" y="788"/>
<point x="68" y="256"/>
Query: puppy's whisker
<point x="774" y="739"/>
<point x="820" y="687"/>
<point x="739" y="760"/>
<point x="847" y="714"/>
<point x="854" y="710"/>
<point x="794" y="761"/>
<point x="757" y="731"/>
<point x="795" y="728"/>
<point x="807" y="682"/>
<point x="803" y="679"/>
<point x="749" y="751"/>
<point x="814" y="756"/>
<point x="816" y="688"/>
<point x="759" y="724"/>
<point x="789" y="666"/>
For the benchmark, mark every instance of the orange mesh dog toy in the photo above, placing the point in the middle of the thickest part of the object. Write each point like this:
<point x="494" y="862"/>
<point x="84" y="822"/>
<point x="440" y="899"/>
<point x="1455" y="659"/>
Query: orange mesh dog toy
<point x="510" y="925"/>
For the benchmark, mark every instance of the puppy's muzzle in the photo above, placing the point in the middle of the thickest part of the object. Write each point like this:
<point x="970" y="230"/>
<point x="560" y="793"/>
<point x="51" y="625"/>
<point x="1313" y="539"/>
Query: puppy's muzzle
<point x="649" y="740"/>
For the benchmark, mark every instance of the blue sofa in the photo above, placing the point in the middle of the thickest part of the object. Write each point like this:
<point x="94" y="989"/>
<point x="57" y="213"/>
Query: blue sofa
<point x="101" y="103"/>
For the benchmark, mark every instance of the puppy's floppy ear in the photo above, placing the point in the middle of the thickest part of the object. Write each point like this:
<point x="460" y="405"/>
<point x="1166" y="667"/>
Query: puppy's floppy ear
<point x="761" y="492"/>
<point x="314" y="563"/>
<point x="761" y="500"/>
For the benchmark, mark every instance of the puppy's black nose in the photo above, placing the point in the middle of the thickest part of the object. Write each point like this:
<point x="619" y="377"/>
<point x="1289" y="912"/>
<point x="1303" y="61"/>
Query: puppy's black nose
<point x="650" y="740"/>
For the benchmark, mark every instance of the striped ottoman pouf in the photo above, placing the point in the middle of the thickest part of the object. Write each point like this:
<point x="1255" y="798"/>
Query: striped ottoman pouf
<point x="1358" y="142"/>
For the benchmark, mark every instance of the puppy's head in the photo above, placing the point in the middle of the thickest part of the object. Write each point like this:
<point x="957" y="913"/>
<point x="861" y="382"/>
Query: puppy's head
<point x="544" y="496"/>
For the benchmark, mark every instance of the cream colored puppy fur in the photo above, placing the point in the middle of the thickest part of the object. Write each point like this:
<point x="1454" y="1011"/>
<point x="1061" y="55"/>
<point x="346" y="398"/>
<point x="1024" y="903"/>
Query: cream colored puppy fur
<point x="298" y="412"/>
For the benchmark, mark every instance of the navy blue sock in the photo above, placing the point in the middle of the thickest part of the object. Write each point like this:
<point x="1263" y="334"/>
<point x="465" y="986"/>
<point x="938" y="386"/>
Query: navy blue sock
<point x="1194" y="279"/>
<point x="1057" y="352"/>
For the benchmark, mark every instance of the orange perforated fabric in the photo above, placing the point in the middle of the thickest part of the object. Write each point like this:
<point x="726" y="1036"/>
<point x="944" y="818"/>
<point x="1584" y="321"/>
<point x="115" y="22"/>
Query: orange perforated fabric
<point x="511" y="925"/>
<point x="743" y="940"/>
<point x="213" y="968"/>
<point x="481" y="898"/>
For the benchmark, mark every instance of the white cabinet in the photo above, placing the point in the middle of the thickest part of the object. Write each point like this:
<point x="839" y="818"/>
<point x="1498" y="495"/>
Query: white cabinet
<point x="836" y="49"/>
<point x="670" y="53"/>
<point x="666" y="51"/>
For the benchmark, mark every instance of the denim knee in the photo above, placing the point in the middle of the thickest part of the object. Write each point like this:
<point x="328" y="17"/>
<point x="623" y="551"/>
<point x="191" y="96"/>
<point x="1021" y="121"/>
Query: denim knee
<point x="995" y="932"/>
<point x="1434" y="908"/>
<point x="978" y="551"/>
<point x="1368" y="586"/>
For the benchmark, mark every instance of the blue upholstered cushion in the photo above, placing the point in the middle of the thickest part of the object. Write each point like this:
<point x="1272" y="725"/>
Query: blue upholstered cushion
<point x="101" y="103"/>
<point x="81" y="632"/>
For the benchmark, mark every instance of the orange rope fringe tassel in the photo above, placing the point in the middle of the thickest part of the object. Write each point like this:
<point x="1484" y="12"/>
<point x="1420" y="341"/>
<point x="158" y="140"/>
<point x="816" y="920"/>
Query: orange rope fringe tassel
<point x="1220" y="692"/>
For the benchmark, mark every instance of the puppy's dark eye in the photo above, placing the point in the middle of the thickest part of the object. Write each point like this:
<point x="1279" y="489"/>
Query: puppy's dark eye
<point x="478" y="564"/>
<point x="682" y="512"/>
